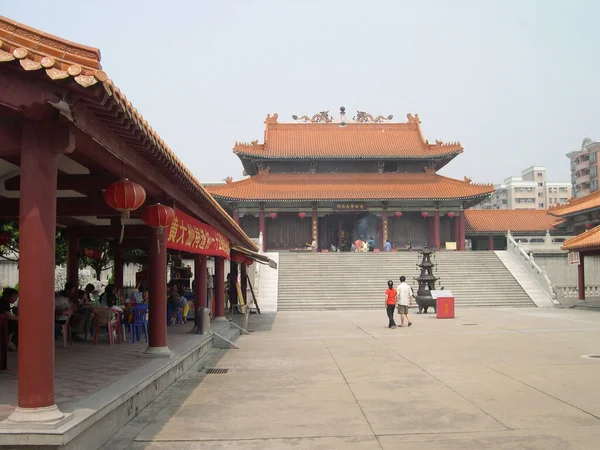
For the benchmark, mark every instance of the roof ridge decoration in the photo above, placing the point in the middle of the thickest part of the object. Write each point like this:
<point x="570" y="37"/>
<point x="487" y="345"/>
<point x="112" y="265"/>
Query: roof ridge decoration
<point x="322" y="116"/>
<point x="363" y="117"/>
<point x="271" y="118"/>
<point x="429" y="170"/>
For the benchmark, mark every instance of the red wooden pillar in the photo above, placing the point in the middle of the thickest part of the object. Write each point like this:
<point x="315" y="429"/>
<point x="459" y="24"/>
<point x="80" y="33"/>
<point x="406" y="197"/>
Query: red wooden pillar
<point x="73" y="260"/>
<point x="200" y="277"/>
<point x="261" y="228"/>
<point x="429" y="223"/>
<point x="581" y="277"/>
<point x="455" y="228"/>
<point x="219" y="298"/>
<point x="384" y="229"/>
<point x="461" y="230"/>
<point x="37" y="228"/>
<point x="244" y="282"/>
<point x="491" y="242"/>
<point x="436" y="229"/>
<point x="157" y="309"/>
<point x="236" y="216"/>
<point x="315" y="226"/>
<point x="118" y="264"/>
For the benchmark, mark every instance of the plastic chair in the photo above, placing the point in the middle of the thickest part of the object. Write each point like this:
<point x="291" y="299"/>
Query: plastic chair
<point x="140" y="313"/>
<point x="65" y="327"/>
<point x="113" y="325"/>
<point x="174" y="315"/>
<point x="3" y="342"/>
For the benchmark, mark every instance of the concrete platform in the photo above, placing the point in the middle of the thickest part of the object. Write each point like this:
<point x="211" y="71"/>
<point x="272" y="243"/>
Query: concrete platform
<point x="491" y="378"/>
<point x="102" y="387"/>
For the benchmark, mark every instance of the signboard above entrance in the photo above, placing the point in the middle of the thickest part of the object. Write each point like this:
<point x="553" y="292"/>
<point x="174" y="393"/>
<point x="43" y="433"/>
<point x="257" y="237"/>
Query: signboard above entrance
<point x="190" y="235"/>
<point x="350" y="206"/>
<point x="574" y="258"/>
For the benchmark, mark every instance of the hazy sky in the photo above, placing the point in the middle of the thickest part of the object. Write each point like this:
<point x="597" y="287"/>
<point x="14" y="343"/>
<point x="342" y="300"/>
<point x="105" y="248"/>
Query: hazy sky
<point x="517" y="82"/>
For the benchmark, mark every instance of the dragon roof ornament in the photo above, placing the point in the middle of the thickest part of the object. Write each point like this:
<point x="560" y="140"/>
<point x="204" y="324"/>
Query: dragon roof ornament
<point x="324" y="117"/>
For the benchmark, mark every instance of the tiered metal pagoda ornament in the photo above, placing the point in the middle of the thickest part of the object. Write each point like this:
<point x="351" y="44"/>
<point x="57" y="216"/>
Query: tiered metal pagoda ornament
<point x="426" y="282"/>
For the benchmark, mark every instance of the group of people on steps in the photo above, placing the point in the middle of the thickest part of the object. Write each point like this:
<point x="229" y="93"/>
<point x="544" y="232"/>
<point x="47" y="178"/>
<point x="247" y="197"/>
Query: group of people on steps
<point x="400" y="297"/>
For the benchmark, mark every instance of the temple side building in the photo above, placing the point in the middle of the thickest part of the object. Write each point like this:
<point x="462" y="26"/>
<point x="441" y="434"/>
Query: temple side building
<point x="335" y="180"/>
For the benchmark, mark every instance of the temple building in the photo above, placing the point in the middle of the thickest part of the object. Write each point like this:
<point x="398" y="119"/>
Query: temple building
<point x="335" y="180"/>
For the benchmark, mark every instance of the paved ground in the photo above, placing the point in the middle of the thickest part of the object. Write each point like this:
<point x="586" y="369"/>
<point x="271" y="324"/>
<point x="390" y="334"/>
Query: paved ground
<point x="492" y="378"/>
<point x="83" y="368"/>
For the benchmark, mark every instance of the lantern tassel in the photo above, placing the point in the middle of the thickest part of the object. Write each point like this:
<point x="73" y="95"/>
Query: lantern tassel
<point x="124" y="215"/>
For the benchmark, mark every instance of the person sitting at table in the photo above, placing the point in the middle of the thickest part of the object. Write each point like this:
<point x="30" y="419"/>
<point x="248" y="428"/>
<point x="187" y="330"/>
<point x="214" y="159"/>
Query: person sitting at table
<point x="108" y="297"/>
<point x="10" y="296"/>
<point x="89" y="290"/>
<point x="78" y="319"/>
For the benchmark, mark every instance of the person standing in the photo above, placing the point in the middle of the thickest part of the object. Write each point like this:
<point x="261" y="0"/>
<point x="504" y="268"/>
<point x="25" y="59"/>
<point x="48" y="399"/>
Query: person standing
<point x="388" y="246"/>
<point x="391" y="297"/>
<point x="371" y="244"/>
<point x="405" y="294"/>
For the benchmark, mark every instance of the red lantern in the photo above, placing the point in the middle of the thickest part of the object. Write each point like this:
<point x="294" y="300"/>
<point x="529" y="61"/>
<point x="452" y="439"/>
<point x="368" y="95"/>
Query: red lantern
<point x="4" y="237"/>
<point x="124" y="196"/>
<point x="302" y="215"/>
<point x="237" y="258"/>
<point x="248" y="261"/>
<point x="93" y="253"/>
<point x="158" y="216"/>
<point x="451" y="215"/>
<point x="398" y="214"/>
<point x="425" y="214"/>
<point x="273" y="215"/>
<point x="588" y="225"/>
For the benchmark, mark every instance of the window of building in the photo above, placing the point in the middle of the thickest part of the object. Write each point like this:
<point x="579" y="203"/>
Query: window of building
<point x="564" y="200"/>
<point x="594" y="185"/>
<point x="504" y="202"/>
<point x="593" y="171"/>
<point x="593" y="157"/>
<point x="541" y="205"/>
<point x="563" y="189"/>
<point x="540" y="174"/>
<point x="540" y="194"/>
<point x="541" y="184"/>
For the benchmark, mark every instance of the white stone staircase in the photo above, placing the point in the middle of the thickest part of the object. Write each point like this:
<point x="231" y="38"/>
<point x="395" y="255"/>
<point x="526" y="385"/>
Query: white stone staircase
<point x="309" y="281"/>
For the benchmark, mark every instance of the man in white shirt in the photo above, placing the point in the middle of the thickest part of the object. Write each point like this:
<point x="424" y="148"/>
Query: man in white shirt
<point x="405" y="294"/>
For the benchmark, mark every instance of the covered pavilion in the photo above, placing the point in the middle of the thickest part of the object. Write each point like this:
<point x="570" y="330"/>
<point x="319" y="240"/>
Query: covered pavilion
<point x="66" y="133"/>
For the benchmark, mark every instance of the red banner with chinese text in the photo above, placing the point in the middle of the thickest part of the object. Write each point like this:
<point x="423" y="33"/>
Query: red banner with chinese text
<point x="190" y="235"/>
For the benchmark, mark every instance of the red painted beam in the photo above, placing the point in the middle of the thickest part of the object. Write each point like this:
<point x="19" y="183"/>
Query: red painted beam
<point x="110" y="232"/>
<point x="71" y="182"/>
<point x="84" y="206"/>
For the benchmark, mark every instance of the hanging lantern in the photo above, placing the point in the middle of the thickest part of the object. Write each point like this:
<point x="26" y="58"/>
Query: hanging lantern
<point x="238" y="258"/>
<point x="249" y="261"/>
<point x="302" y="215"/>
<point x="89" y="253"/>
<point x="425" y="214"/>
<point x="4" y="237"/>
<point x="588" y="225"/>
<point x="124" y="196"/>
<point x="158" y="216"/>
<point x="93" y="253"/>
<point x="450" y="215"/>
<point x="398" y="214"/>
<point x="273" y="215"/>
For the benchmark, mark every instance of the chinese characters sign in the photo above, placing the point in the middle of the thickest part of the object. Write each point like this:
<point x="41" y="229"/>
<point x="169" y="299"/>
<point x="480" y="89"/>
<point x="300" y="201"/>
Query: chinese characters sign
<point x="350" y="206"/>
<point x="190" y="235"/>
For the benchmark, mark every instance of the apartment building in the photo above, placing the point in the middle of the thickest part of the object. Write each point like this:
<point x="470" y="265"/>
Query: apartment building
<point x="531" y="190"/>
<point x="584" y="168"/>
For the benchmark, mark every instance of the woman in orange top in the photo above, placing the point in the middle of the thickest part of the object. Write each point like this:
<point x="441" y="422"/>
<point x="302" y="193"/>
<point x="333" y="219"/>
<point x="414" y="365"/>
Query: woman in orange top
<point x="391" y="297"/>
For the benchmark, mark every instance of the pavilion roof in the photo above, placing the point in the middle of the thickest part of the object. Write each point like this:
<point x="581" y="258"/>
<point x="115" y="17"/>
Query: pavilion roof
<point x="588" y="240"/>
<point x="331" y="140"/>
<point x="581" y="205"/>
<point x="503" y="220"/>
<point x="65" y="61"/>
<point x="354" y="186"/>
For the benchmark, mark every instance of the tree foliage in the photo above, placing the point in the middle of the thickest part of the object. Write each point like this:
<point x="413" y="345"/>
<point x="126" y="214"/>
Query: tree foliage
<point x="10" y="250"/>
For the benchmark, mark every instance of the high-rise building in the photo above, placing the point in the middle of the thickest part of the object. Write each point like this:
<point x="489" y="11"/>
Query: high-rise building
<point x="584" y="168"/>
<point x="531" y="190"/>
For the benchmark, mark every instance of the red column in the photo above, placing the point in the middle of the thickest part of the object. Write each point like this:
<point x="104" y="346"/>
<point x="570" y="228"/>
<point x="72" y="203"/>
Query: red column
<point x="261" y="228"/>
<point x="37" y="228"/>
<point x="580" y="277"/>
<point x="436" y="229"/>
<point x="429" y="223"/>
<point x="455" y="228"/>
<point x="200" y="277"/>
<point x="461" y="230"/>
<point x="491" y="242"/>
<point x="315" y="226"/>
<point x="219" y="298"/>
<point x="157" y="309"/>
<point x="73" y="260"/>
<point x="118" y="264"/>
<point x="244" y="282"/>
<point x="236" y="216"/>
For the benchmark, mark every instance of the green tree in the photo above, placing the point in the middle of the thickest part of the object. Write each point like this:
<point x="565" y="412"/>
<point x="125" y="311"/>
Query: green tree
<point x="10" y="250"/>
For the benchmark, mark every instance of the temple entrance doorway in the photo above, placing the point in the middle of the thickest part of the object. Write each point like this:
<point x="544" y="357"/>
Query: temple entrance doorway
<point x="342" y="229"/>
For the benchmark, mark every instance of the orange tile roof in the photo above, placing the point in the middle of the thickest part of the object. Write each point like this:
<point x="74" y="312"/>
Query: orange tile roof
<point x="342" y="186"/>
<point x="503" y="220"/>
<point x="355" y="140"/>
<point x="61" y="59"/>
<point x="587" y="240"/>
<point x="577" y="206"/>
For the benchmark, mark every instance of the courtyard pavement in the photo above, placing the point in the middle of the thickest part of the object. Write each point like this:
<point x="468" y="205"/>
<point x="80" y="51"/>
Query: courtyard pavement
<point x="491" y="378"/>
